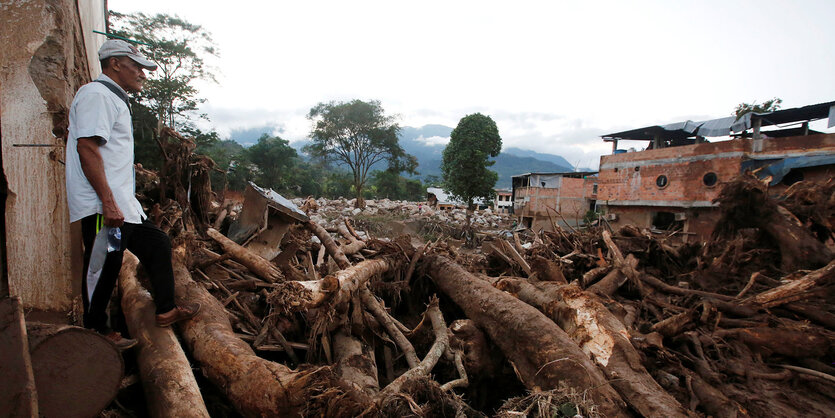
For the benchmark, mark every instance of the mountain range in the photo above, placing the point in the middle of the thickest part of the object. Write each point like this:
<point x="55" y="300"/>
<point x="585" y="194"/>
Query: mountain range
<point x="427" y="144"/>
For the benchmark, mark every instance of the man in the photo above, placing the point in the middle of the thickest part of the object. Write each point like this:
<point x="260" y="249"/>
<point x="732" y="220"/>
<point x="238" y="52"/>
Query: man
<point x="100" y="192"/>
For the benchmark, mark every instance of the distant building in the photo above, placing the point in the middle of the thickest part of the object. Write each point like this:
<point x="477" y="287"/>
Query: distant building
<point x="503" y="201"/>
<point x="541" y="200"/>
<point x="672" y="184"/>
<point x="440" y="199"/>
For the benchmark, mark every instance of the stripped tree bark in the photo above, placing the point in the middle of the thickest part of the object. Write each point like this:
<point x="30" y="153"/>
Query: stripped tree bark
<point x="255" y="263"/>
<point x="602" y="337"/>
<point x="794" y="290"/>
<point x="167" y="378"/>
<point x="335" y="288"/>
<point x="542" y="353"/>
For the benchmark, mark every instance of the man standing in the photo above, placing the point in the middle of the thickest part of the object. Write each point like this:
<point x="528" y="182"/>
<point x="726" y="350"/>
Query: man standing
<point x="101" y="192"/>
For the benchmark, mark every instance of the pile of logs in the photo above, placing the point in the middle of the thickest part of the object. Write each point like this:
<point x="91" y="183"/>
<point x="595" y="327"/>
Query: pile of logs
<point x="591" y="323"/>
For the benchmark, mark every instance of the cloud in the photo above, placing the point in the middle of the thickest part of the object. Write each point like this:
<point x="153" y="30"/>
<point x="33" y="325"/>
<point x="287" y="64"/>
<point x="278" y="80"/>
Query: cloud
<point x="433" y="140"/>
<point x="290" y="124"/>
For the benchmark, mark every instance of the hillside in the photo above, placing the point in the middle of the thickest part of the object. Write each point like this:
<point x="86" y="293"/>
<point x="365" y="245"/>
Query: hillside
<point x="510" y="162"/>
<point x="427" y="143"/>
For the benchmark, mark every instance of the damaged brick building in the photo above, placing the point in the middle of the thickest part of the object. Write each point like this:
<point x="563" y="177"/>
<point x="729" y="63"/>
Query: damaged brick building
<point x="541" y="200"/>
<point x="671" y="184"/>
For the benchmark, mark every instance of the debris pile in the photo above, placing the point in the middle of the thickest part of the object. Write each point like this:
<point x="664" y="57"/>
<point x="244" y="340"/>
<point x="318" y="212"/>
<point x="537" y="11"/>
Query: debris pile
<point x="326" y="211"/>
<point x="318" y="316"/>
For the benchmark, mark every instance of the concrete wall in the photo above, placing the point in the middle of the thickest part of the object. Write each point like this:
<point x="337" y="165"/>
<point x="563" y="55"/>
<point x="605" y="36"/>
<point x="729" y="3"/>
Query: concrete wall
<point x="44" y="61"/>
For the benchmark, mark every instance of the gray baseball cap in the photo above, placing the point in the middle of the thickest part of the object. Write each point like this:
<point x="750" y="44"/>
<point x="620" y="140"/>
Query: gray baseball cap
<point x="120" y="48"/>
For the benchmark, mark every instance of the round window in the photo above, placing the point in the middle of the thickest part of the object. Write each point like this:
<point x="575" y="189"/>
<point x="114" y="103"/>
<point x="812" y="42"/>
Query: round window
<point x="710" y="179"/>
<point x="661" y="181"/>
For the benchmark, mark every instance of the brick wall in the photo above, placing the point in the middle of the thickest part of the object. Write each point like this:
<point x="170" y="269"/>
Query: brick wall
<point x="627" y="182"/>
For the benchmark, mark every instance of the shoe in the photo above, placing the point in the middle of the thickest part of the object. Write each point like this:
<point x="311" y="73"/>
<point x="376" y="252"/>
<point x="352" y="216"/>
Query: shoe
<point x="178" y="314"/>
<point x="120" y="342"/>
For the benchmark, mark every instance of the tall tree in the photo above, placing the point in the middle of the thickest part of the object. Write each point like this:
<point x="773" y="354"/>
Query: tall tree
<point x="274" y="162"/>
<point x="466" y="158"/>
<point x="179" y="48"/>
<point x="766" y="106"/>
<point x="358" y="134"/>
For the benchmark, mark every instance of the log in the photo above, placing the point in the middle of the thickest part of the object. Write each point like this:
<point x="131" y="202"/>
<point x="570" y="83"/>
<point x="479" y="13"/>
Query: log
<point x="602" y="337"/>
<point x="330" y="245"/>
<point x="255" y="386"/>
<point x="77" y="371"/>
<point x="547" y="270"/>
<point x="255" y="263"/>
<point x="713" y="400"/>
<point x="334" y="288"/>
<point x="787" y="342"/>
<point x="18" y="396"/>
<point x="438" y="348"/>
<point x="376" y="308"/>
<point x="167" y="380"/>
<point x="517" y="257"/>
<point x="355" y="363"/>
<point x="590" y="276"/>
<point x="542" y="354"/>
<point x="609" y="284"/>
<point x="794" y="290"/>
<point x="467" y="338"/>
<point x="354" y="246"/>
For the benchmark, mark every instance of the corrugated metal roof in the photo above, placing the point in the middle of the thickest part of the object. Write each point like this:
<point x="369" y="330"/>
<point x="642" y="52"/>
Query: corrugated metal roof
<point x="724" y="126"/>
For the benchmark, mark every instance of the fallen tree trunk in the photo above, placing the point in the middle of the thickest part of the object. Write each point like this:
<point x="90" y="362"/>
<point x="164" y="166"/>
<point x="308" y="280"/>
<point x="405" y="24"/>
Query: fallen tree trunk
<point x="330" y="245"/>
<point x="354" y="246"/>
<point x="794" y="290"/>
<point x="602" y="337"/>
<point x="438" y="348"/>
<point x="18" y="396"/>
<point x="542" y="354"/>
<point x="355" y="363"/>
<point x="787" y="342"/>
<point x="370" y="302"/>
<point x="77" y="371"/>
<point x="255" y="386"/>
<point x="167" y="379"/>
<point x="547" y="270"/>
<point x="255" y="263"/>
<point x="335" y="288"/>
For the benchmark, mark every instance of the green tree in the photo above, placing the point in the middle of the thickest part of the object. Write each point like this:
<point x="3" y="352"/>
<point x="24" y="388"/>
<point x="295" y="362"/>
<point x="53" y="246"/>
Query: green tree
<point x="358" y="134"/>
<point x="766" y="106"/>
<point x="227" y="155"/>
<point x="179" y="48"/>
<point x="274" y="163"/>
<point x="466" y="158"/>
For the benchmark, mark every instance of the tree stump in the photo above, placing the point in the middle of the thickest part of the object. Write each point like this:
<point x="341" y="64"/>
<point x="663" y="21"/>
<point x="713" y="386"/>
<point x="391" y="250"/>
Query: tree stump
<point x="77" y="371"/>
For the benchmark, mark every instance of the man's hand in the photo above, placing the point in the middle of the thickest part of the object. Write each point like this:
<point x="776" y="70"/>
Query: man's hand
<point x="93" y="167"/>
<point x="113" y="216"/>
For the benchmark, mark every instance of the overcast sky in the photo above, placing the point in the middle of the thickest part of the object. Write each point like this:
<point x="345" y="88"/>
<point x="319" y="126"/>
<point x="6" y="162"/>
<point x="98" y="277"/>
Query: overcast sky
<point x="554" y="76"/>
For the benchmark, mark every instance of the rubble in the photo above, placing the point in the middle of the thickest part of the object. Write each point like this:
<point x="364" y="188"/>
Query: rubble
<point x="388" y="311"/>
<point x="329" y="211"/>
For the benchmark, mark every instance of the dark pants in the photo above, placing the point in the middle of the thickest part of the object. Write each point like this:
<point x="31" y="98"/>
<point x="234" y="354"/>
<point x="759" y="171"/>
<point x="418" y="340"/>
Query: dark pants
<point x="150" y="245"/>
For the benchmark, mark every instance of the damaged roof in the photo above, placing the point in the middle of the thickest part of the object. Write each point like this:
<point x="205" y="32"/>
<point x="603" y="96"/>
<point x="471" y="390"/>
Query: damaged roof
<point x="724" y="126"/>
